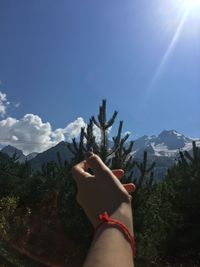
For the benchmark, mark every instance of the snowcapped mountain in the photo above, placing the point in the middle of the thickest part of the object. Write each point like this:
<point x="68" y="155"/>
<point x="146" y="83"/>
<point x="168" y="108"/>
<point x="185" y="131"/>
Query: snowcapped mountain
<point x="167" y="144"/>
<point x="162" y="148"/>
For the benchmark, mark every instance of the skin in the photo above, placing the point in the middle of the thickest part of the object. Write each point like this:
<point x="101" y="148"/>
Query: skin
<point x="99" y="193"/>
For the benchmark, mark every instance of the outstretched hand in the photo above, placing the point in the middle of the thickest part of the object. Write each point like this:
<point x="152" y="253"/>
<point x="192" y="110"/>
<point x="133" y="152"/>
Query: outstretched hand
<point x="103" y="191"/>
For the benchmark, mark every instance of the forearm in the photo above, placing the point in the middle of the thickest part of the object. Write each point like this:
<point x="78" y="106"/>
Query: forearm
<point x="106" y="201"/>
<point x="110" y="248"/>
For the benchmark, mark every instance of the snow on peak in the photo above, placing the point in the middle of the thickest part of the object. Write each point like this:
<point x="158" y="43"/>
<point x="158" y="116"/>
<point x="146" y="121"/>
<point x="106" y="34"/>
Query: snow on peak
<point x="167" y="143"/>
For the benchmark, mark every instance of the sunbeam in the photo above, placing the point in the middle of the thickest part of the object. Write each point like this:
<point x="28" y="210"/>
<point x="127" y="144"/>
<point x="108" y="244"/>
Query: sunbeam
<point x="164" y="61"/>
<point x="169" y="51"/>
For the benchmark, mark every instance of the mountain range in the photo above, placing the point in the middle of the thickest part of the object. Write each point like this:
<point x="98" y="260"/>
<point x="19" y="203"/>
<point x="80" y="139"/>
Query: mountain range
<point x="167" y="144"/>
<point x="163" y="149"/>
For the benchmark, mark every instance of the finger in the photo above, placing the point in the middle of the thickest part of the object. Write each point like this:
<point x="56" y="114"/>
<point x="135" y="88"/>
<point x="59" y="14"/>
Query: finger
<point x="96" y="164"/>
<point x="130" y="188"/>
<point x="79" y="171"/>
<point x="119" y="173"/>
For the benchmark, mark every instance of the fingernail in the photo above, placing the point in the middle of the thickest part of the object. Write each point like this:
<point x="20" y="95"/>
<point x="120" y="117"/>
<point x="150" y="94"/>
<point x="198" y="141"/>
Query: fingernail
<point x="88" y="154"/>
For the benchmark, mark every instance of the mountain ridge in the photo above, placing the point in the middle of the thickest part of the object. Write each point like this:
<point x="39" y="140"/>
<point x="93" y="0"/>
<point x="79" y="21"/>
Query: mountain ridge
<point x="168" y="143"/>
<point x="164" y="149"/>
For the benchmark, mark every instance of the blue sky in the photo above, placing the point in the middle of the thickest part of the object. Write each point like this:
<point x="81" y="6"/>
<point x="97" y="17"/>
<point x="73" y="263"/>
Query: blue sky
<point x="59" y="59"/>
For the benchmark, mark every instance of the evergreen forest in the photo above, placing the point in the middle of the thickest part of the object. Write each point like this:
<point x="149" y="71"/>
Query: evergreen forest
<point x="41" y="223"/>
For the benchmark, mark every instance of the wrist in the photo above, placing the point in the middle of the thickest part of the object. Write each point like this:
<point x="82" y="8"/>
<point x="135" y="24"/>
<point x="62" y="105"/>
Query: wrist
<point x="124" y="214"/>
<point x="106" y="220"/>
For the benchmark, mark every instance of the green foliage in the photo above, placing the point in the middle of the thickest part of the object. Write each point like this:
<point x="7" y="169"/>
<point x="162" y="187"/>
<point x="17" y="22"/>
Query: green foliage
<point x="167" y="225"/>
<point x="116" y="154"/>
<point x="166" y="215"/>
<point x="145" y="171"/>
<point x="185" y="181"/>
<point x="8" y="207"/>
<point x="52" y="191"/>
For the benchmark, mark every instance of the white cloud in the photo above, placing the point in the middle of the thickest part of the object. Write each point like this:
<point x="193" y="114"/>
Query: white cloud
<point x="97" y="133"/>
<point x="73" y="129"/>
<point x="3" y="104"/>
<point x="31" y="134"/>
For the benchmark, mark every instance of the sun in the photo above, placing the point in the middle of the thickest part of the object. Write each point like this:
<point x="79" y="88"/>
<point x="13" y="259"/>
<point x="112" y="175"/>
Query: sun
<point x="190" y="4"/>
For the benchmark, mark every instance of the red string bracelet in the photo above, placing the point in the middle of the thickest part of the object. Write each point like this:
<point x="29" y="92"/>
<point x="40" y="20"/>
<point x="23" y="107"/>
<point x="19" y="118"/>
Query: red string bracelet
<point x="105" y="219"/>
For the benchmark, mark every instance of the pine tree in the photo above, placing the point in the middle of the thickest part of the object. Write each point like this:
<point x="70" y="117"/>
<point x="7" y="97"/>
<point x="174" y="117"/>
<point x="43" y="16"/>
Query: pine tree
<point x="145" y="171"/>
<point x="184" y="181"/>
<point x="186" y="158"/>
<point x="115" y="154"/>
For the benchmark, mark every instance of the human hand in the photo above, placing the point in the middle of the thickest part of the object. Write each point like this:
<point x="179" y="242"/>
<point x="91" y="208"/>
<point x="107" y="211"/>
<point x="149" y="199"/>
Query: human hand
<point x="103" y="191"/>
